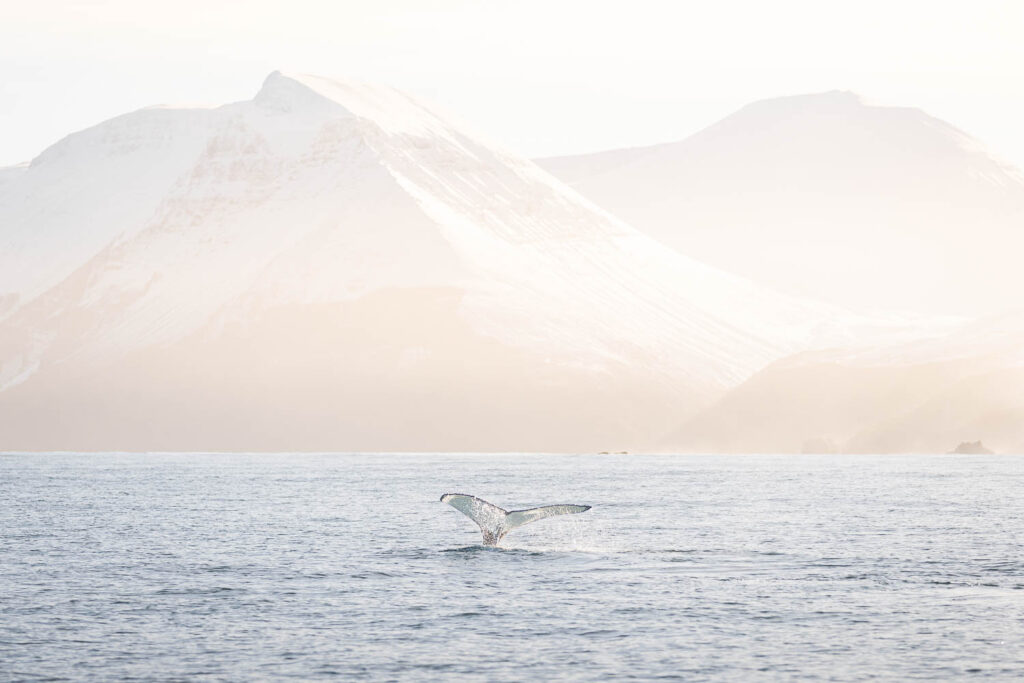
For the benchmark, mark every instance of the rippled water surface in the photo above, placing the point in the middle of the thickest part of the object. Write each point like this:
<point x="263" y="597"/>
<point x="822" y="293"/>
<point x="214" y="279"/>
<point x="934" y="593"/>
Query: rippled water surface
<point x="704" y="568"/>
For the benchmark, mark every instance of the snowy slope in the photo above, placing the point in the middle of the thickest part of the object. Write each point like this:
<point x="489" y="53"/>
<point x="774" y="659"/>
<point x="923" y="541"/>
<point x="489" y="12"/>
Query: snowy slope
<point x="87" y="189"/>
<point x="335" y="265"/>
<point x="867" y="206"/>
<point x="320" y="190"/>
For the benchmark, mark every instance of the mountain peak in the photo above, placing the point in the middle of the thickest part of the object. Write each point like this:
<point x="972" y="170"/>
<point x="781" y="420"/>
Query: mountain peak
<point x="837" y="95"/>
<point x="287" y="93"/>
<point x="832" y="195"/>
<point x="830" y="100"/>
<point x="390" y="109"/>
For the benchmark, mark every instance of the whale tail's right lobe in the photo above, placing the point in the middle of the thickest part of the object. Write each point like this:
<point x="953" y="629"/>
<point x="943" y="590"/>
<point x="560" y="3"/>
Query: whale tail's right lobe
<point x="495" y="522"/>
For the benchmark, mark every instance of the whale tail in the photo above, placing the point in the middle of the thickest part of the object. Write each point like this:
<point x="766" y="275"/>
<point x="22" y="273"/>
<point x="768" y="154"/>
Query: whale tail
<point x="495" y="522"/>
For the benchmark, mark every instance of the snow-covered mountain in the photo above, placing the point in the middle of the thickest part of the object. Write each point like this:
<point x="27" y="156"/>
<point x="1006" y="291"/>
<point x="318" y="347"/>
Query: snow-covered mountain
<point x="826" y="195"/>
<point x="334" y="265"/>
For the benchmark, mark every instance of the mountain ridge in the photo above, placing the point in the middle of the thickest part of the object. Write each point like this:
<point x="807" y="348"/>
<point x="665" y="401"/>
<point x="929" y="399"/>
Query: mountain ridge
<point x="344" y="211"/>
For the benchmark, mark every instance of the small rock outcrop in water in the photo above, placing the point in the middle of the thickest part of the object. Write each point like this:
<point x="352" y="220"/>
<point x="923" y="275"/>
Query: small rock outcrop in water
<point x="971" y="448"/>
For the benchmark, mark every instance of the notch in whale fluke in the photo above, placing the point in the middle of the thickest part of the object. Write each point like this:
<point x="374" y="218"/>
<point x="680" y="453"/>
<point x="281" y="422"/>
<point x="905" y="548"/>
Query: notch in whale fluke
<point x="495" y="522"/>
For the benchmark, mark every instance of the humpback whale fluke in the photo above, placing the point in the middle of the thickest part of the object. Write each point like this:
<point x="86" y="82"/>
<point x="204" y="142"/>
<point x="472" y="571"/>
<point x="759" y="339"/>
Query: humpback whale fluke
<point x="495" y="522"/>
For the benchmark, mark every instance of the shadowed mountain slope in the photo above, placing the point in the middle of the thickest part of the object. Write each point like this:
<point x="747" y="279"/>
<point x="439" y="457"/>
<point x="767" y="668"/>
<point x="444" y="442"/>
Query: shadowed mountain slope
<point x="923" y="396"/>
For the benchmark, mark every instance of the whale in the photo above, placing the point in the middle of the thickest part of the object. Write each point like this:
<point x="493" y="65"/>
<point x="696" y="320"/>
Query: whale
<point x="495" y="522"/>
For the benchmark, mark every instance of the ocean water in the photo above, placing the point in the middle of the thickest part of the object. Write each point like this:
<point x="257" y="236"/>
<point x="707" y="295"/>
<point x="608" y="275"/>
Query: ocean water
<point x="237" y="567"/>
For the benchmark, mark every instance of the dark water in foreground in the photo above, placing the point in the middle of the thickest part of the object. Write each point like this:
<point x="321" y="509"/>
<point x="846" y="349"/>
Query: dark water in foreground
<point x="704" y="568"/>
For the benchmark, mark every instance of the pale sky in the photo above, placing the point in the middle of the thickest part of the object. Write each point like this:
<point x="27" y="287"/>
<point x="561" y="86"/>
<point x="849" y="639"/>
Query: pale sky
<point x="542" y="76"/>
